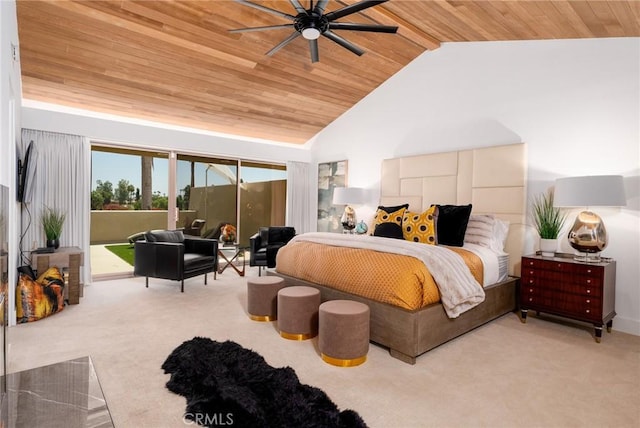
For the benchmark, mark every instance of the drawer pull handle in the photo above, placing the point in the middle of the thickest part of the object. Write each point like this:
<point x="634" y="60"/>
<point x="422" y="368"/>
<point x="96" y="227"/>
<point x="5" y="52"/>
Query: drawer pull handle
<point x="588" y="270"/>
<point x="559" y="266"/>
<point x="530" y="299"/>
<point x="588" y="281"/>
<point x="588" y="311"/>
<point x="588" y="291"/>
<point x="588" y="301"/>
<point x="530" y="272"/>
<point x="530" y="263"/>
<point x="531" y="290"/>
<point x="531" y="281"/>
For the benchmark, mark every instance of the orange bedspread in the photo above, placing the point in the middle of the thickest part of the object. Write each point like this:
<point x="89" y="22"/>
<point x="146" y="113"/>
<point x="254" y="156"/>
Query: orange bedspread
<point x="399" y="280"/>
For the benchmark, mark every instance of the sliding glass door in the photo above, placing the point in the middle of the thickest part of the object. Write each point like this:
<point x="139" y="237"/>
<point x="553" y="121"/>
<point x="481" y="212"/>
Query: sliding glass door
<point x="207" y="191"/>
<point x="131" y="191"/>
<point x="263" y="193"/>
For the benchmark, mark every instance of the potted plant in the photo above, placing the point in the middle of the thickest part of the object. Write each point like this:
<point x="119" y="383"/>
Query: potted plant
<point x="548" y="221"/>
<point x="52" y="221"/>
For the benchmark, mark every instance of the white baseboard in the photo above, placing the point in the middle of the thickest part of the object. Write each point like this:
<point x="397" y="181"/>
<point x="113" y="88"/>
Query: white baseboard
<point x="626" y="325"/>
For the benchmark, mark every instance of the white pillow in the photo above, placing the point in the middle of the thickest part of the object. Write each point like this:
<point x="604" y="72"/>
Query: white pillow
<point x="500" y="232"/>
<point x="488" y="231"/>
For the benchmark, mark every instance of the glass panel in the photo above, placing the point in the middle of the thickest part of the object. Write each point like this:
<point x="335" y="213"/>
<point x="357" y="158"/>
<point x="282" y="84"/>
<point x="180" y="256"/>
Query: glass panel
<point x="4" y="288"/>
<point x="262" y="198"/>
<point x="128" y="196"/>
<point x="206" y="191"/>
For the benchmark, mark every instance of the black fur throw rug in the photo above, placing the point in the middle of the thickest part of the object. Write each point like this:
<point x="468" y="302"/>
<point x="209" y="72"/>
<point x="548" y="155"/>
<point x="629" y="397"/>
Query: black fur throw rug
<point x="228" y="385"/>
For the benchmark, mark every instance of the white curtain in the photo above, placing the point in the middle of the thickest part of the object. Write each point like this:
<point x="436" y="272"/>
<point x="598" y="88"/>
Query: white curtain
<point x="60" y="168"/>
<point x="299" y="194"/>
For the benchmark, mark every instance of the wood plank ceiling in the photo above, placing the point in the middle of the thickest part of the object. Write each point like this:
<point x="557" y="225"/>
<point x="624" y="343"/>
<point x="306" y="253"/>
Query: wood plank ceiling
<point x="175" y="61"/>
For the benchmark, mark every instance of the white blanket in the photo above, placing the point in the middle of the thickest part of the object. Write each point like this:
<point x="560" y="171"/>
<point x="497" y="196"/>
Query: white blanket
<point x="459" y="290"/>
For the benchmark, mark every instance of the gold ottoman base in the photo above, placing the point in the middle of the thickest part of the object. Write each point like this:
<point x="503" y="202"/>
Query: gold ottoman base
<point x="343" y="363"/>
<point x="263" y="318"/>
<point x="292" y="336"/>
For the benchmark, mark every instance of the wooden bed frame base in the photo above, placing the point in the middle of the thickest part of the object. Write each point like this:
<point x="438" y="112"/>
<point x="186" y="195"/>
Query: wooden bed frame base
<point x="409" y="334"/>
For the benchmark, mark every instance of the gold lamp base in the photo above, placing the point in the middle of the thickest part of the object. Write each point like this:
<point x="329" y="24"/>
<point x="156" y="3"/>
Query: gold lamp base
<point x="588" y="236"/>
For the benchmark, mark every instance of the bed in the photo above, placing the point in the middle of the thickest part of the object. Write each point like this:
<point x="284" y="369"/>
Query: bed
<point x="492" y="181"/>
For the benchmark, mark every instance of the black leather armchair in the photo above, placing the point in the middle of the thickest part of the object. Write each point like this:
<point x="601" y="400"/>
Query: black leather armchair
<point x="169" y="254"/>
<point x="264" y="245"/>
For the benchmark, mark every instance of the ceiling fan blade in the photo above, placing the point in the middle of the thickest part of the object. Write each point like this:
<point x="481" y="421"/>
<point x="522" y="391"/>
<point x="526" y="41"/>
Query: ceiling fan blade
<point x="313" y="48"/>
<point x="363" y="27"/>
<point x="342" y="42"/>
<point x="319" y="9"/>
<point x="297" y="6"/>
<point x="283" y="43"/>
<point x="266" y="9"/>
<point x="348" y="10"/>
<point x="268" y="27"/>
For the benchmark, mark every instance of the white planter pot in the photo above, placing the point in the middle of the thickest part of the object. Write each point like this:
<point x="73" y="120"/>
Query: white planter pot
<point x="548" y="247"/>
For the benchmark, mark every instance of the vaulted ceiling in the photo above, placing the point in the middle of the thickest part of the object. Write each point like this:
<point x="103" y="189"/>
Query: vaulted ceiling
<point x="176" y="61"/>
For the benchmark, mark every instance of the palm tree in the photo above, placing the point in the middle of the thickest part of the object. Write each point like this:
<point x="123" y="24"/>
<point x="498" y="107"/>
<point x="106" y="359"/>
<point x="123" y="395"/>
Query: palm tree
<point x="147" y="169"/>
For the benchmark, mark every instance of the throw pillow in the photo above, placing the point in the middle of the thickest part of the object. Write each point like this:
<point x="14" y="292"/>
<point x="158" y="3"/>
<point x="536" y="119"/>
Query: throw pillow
<point x="388" y="230"/>
<point x="488" y="231"/>
<point x="40" y="298"/>
<point x="420" y="227"/>
<point x="389" y="215"/>
<point x="480" y="230"/>
<point x="452" y="224"/>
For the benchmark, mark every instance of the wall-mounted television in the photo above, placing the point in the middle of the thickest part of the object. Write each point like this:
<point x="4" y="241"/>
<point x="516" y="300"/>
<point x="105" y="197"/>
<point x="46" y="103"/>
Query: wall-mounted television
<point x="26" y="172"/>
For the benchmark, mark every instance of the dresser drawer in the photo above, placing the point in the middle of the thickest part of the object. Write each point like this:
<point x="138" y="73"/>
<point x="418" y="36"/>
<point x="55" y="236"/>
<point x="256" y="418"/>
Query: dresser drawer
<point x="584" y="308"/>
<point x="560" y="266"/>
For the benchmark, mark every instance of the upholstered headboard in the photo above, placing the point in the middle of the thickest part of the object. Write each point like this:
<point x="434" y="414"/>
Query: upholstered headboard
<point x="493" y="179"/>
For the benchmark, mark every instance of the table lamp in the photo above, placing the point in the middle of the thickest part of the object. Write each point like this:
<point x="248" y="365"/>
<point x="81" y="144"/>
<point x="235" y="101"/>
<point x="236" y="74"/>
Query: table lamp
<point x="348" y="196"/>
<point x="588" y="234"/>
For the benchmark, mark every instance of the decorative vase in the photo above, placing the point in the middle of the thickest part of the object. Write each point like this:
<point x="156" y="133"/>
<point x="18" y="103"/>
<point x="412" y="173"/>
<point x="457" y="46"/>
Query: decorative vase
<point x="548" y="247"/>
<point x="53" y="243"/>
<point x="361" y="228"/>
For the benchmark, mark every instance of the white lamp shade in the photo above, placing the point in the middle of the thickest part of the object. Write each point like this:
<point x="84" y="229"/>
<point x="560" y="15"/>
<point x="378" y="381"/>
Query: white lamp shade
<point x="348" y="196"/>
<point x="590" y="191"/>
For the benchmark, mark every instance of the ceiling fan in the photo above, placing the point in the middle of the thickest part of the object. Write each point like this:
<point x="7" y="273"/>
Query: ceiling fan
<point x="313" y="22"/>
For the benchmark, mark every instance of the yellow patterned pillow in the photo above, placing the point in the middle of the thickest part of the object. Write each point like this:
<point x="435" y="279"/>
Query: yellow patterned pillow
<point x="421" y="227"/>
<point x="389" y="215"/>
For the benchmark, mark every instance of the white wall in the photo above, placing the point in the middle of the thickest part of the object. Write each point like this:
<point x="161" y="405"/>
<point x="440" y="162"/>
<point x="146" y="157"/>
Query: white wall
<point x="148" y="134"/>
<point x="10" y="123"/>
<point x="10" y="91"/>
<point x="575" y="103"/>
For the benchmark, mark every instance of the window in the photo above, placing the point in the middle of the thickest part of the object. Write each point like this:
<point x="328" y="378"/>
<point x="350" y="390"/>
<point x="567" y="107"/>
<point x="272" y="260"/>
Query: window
<point x="263" y="197"/>
<point x="130" y="188"/>
<point x="207" y="190"/>
<point x="133" y="184"/>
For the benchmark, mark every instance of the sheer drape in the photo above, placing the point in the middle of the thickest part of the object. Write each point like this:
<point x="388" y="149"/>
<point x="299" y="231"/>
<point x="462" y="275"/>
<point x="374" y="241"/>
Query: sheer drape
<point x="61" y="180"/>
<point x="298" y="196"/>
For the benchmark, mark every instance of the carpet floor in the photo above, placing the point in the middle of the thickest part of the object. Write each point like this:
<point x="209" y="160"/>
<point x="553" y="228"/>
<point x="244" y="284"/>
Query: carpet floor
<point x="546" y="373"/>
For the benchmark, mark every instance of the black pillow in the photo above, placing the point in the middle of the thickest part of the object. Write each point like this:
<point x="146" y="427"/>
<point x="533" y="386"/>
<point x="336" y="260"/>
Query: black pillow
<point x="388" y="230"/>
<point x="452" y="224"/>
<point x="392" y="209"/>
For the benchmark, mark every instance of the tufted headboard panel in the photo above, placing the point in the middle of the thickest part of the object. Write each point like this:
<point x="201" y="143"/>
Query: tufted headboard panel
<point x="493" y="179"/>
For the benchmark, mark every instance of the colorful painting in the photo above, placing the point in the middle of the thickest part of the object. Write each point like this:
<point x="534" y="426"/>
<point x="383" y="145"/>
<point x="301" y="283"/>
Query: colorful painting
<point x="330" y="176"/>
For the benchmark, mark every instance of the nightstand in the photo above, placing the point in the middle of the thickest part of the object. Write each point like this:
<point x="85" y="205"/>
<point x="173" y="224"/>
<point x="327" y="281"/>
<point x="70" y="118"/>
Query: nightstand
<point x="569" y="288"/>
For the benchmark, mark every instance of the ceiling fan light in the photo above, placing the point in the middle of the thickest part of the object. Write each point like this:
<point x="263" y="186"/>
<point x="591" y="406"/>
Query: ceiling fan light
<point x="310" y="33"/>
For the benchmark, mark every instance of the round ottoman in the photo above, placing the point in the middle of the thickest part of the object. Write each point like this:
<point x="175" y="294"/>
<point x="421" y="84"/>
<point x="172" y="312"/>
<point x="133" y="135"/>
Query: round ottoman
<point x="298" y="312"/>
<point x="344" y="332"/>
<point x="262" y="297"/>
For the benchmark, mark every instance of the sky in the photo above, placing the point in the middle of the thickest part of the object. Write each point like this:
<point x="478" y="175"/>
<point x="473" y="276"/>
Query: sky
<point x="114" y="167"/>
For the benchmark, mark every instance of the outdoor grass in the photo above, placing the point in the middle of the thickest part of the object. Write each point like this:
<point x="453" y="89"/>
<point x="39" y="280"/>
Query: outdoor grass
<point x="124" y="251"/>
